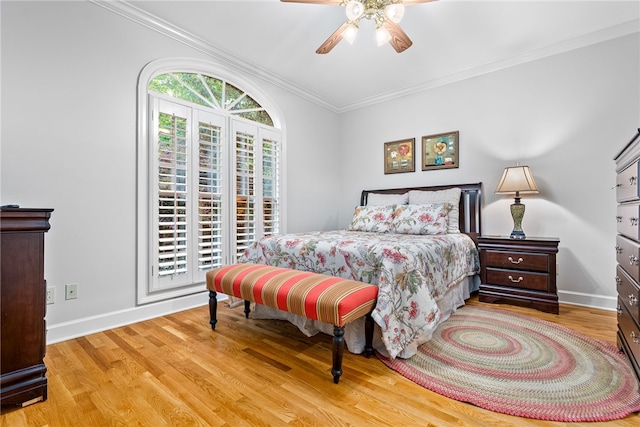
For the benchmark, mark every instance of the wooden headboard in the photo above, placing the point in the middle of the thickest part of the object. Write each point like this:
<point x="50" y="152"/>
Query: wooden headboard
<point x="470" y="203"/>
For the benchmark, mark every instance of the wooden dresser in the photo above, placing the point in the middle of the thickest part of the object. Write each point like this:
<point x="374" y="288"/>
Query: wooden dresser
<point x="628" y="250"/>
<point x="22" y="306"/>
<point x="519" y="271"/>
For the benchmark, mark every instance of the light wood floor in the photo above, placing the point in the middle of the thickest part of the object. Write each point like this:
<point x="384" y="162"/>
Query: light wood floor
<point x="176" y="371"/>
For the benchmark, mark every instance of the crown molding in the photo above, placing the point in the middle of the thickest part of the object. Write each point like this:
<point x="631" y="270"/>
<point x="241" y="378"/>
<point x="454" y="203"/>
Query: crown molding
<point x="223" y="56"/>
<point x="596" y="37"/>
<point x="122" y="8"/>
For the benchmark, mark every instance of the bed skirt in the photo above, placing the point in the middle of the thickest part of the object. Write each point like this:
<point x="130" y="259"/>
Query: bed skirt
<point x="453" y="299"/>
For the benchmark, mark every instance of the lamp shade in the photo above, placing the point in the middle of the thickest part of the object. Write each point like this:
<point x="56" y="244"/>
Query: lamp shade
<point x="354" y="10"/>
<point x="517" y="179"/>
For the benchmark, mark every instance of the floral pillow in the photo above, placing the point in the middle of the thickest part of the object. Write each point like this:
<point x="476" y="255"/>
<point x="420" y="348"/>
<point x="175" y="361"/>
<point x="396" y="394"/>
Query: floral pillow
<point x="451" y="195"/>
<point x="372" y="218"/>
<point x="421" y="219"/>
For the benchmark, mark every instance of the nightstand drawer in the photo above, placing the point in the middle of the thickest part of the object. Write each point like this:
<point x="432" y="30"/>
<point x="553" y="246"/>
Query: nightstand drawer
<point x="518" y="279"/>
<point x="517" y="260"/>
<point x="628" y="293"/>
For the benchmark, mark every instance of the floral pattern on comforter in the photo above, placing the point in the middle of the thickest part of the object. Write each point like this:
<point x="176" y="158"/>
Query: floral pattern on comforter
<point x="411" y="271"/>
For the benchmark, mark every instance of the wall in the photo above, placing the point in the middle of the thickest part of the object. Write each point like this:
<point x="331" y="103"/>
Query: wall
<point x="69" y="76"/>
<point x="565" y="116"/>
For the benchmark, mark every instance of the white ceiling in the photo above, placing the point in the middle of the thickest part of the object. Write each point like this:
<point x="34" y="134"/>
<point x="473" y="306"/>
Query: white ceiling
<point x="452" y="39"/>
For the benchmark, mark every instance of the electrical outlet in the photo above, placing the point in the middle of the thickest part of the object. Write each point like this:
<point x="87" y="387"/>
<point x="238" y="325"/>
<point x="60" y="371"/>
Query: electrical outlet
<point x="71" y="291"/>
<point x="51" y="295"/>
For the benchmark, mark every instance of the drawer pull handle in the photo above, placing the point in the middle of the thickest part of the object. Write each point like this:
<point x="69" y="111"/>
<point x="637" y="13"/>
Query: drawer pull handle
<point x="633" y="180"/>
<point x="515" y="262"/>
<point x="619" y="309"/>
<point x="632" y="299"/>
<point x="618" y="281"/>
<point x="633" y="259"/>
<point x="633" y="221"/>
<point x="619" y="219"/>
<point x="618" y="249"/>
<point x="634" y="337"/>
<point x="520" y="279"/>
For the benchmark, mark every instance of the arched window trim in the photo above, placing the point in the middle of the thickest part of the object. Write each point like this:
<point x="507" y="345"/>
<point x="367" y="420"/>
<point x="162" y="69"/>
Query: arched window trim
<point x="150" y="71"/>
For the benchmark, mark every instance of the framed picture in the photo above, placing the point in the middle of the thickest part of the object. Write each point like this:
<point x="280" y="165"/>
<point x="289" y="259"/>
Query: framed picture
<point x="440" y="151"/>
<point x="399" y="157"/>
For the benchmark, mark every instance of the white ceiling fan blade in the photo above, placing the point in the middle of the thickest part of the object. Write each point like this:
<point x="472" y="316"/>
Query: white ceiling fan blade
<point x="399" y="39"/>
<point x="333" y="40"/>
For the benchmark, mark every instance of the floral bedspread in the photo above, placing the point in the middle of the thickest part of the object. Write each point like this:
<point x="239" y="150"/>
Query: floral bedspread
<point x="412" y="271"/>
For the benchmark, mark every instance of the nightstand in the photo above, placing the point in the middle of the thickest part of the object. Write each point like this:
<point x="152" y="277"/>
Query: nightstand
<point x="519" y="271"/>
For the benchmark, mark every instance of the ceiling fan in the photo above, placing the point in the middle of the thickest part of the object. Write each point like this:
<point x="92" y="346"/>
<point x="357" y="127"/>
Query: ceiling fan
<point x="385" y="13"/>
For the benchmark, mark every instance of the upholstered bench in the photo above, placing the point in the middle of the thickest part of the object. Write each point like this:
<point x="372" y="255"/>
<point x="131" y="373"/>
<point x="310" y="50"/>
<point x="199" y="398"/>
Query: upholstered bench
<point x="316" y="296"/>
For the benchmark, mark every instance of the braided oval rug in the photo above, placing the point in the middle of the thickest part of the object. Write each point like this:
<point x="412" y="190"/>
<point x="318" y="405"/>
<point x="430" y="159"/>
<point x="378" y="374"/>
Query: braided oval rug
<point x="522" y="366"/>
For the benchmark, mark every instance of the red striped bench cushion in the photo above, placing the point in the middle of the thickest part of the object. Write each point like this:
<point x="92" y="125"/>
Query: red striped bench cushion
<point x="316" y="296"/>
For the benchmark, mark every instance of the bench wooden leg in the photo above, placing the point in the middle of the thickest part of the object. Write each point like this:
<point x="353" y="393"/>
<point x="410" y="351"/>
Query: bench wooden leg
<point x="368" y="336"/>
<point x="338" y="350"/>
<point x="213" y="309"/>
<point x="247" y="308"/>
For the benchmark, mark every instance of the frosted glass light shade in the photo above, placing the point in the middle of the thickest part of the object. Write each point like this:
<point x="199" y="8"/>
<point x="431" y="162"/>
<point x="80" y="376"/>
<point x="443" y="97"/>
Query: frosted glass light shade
<point x="382" y="35"/>
<point x="394" y="12"/>
<point x="350" y="33"/>
<point x="354" y="10"/>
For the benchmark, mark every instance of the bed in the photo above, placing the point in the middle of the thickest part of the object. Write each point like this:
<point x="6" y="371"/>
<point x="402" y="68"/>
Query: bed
<point x="418" y="245"/>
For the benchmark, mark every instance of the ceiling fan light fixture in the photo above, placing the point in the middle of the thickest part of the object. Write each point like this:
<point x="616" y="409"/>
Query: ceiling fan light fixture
<point x="394" y="11"/>
<point x="382" y="35"/>
<point x="354" y="10"/>
<point x="350" y="33"/>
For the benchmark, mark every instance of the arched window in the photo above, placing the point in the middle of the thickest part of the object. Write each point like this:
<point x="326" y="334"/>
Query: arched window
<point x="213" y="179"/>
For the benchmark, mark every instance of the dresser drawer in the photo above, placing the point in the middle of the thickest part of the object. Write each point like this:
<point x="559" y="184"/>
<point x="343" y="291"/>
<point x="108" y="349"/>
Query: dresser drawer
<point x="517" y="260"/>
<point x="629" y="330"/>
<point x="627" y="219"/>
<point x="518" y="279"/>
<point x="628" y="293"/>
<point x="627" y="255"/>
<point x="627" y="183"/>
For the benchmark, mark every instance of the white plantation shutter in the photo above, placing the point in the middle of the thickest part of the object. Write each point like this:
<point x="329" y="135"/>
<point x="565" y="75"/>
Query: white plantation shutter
<point x="270" y="182"/>
<point x="213" y="170"/>
<point x="245" y="136"/>
<point x="171" y="200"/>
<point x="211" y="189"/>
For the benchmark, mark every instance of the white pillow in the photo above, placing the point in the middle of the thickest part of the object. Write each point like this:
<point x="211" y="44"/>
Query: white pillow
<point x="452" y="196"/>
<point x="374" y="199"/>
<point x="372" y="218"/>
<point x="421" y="219"/>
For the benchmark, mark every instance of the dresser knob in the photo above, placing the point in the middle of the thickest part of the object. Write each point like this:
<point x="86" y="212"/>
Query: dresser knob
<point x="633" y="259"/>
<point x="633" y="180"/>
<point x="634" y="337"/>
<point x="633" y="221"/>
<point x="619" y="309"/>
<point x="618" y="281"/>
<point x="632" y="299"/>
<point x="619" y="219"/>
<point x="520" y="279"/>
<point x="515" y="262"/>
<point x="618" y="249"/>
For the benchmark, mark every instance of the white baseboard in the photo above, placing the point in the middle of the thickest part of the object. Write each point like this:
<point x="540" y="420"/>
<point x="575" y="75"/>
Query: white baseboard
<point x="588" y="300"/>
<point x="90" y="325"/>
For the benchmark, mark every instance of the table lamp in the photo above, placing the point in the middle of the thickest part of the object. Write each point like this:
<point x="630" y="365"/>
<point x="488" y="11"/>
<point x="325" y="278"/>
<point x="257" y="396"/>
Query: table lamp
<point x="517" y="179"/>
